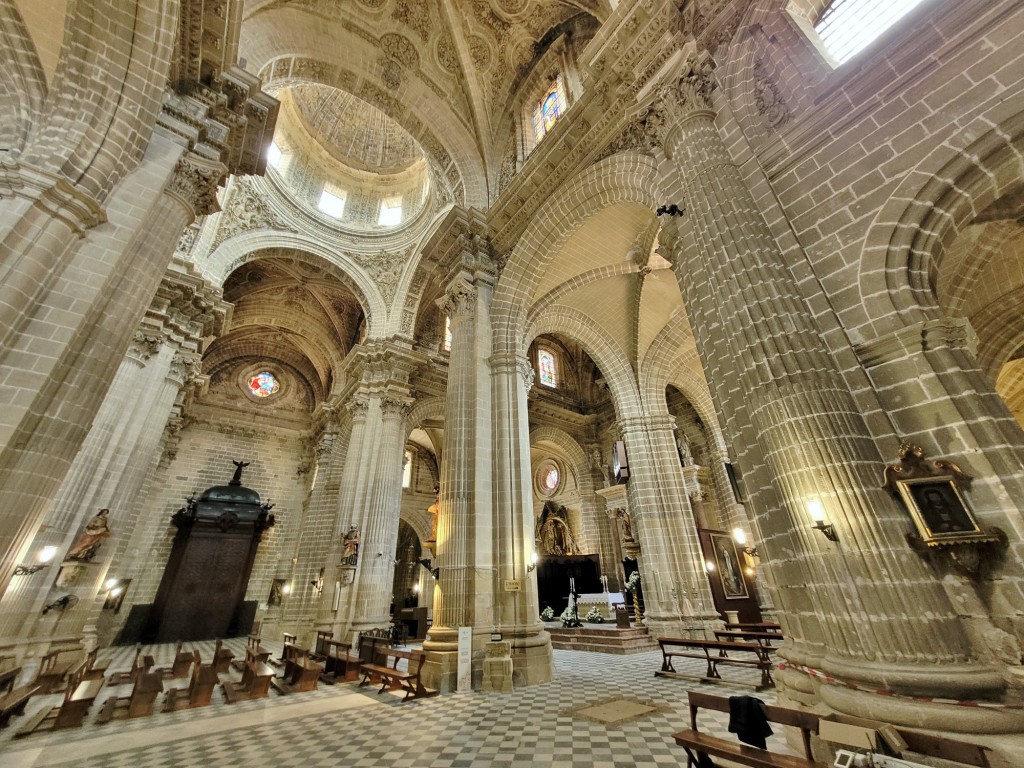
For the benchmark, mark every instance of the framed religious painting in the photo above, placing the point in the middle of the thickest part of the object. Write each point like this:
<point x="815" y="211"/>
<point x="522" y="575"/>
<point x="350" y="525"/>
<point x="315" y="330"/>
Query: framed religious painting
<point x="939" y="510"/>
<point x="729" y="567"/>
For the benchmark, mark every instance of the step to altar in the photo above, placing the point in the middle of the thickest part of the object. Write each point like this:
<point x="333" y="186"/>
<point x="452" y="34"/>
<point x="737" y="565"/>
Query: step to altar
<point x="603" y="640"/>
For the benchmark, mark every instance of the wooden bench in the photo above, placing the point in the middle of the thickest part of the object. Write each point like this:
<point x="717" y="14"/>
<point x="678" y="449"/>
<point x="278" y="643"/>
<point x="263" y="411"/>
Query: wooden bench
<point x="755" y="626"/>
<point x="13" y="702"/>
<point x="55" y="668"/>
<point x="761" y="638"/>
<point x="221" y="658"/>
<point x="391" y="677"/>
<point x="715" y="653"/>
<point x="255" y="683"/>
<point x="140" y="664"/>
<point x="319" y="649"/>
<point x="200" y="688"/>
<point x="8" y="677"/>
<point x="339" y="663"/>
<point x="78" y="697"/>
<point x="94" y="671"/>
<point x="694" y="742"/>
<point x="139" y="704"/>
<point x="254" y="651"/>
<point x="301" y="673"/>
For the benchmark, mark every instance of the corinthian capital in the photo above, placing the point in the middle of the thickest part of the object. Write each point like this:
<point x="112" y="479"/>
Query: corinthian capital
<point x="689" y="91"/>
<point x="195" y="183"/>
<point x="460" y="300"/>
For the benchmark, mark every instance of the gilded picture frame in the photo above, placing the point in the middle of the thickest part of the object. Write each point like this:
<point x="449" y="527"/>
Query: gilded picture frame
<point x="939" y="511"/>
<point x="729" y="567"/>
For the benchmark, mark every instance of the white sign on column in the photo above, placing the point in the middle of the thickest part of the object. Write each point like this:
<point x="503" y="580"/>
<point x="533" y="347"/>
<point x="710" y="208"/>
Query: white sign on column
<point x="464" y="681"/>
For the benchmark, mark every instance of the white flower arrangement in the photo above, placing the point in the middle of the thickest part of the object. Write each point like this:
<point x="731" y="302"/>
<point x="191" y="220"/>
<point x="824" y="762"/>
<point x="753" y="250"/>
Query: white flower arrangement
<point x="548" y="614"/>
<point x="594" y="616"/>
<point x="633" y="581"/>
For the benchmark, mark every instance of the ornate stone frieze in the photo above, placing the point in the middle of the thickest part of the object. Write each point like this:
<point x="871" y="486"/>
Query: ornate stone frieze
<point x="195" y="181"/>
<point x="643" y="134"/>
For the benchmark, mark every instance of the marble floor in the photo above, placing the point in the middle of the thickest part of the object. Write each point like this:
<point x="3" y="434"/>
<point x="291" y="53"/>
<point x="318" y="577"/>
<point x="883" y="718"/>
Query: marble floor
<point x="561" y="723"/>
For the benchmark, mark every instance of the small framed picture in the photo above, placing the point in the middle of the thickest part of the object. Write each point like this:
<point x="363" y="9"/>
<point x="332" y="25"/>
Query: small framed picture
<point x="939" y="510"/>
<point x="729" y="567"/>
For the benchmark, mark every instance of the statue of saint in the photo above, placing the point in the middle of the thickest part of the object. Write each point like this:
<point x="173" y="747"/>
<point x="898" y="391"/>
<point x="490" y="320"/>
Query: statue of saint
<point x="350" y="546"/>
<point x="84" y="548"/>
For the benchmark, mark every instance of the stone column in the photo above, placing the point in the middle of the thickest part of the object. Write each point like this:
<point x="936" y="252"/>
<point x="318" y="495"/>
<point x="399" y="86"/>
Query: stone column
<point x="677" y="597"/>
<point x="370" y="498"/>
<point x="485" y="518"/>
<point x="876" y="617"/>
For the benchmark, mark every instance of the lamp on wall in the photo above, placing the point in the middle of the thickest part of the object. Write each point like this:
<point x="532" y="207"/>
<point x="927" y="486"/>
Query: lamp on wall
<point x="817" y="511"/>
<point x="740" y="537"/>
<point x="532" y="565"/>
<point x="45" y="556"/>
<point x="426" y="564"/>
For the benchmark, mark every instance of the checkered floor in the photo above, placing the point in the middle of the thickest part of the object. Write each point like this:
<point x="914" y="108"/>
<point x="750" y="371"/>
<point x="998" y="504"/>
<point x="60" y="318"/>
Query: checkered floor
<point x="354" y="727"/>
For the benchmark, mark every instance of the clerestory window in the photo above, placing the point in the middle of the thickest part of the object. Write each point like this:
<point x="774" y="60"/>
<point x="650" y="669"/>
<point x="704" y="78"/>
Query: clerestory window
<point x="547" y="367"/>
<point x="847" y="27"/>
<point x="332" y="203"/>
<point x="549" y="109"/>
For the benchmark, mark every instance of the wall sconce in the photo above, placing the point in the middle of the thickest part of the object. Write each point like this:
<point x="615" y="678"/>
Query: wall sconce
<point x="45" y="556"/>
<point x="740" y="537"/>
<point x="817" y="510"/>
<point x="532" y="565"/>
<point x="709" y="566"/>
<point x="433" y="571"/>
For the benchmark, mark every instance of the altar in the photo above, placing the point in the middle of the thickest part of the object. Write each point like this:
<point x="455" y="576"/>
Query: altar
<point x="604" y="602"/>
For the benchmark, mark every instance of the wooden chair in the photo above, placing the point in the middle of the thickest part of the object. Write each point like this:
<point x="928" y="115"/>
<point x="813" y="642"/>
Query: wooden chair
<point x="200" y="688"/>
<point x="139" y="704"/>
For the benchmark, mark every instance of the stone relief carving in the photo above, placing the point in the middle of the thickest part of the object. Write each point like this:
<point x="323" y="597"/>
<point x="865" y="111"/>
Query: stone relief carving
<point x="527" y="371"/>
<point x="460" y="300"/>
<point x="386" y="269"/>
<point x="144" y="345"/>
<point x="768" y="98"/>
<point x="195" y="181"/>
<point x="245" y="211"/>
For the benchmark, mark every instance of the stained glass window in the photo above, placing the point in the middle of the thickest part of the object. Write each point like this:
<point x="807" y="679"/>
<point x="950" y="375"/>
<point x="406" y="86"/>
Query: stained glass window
<point x="549" y="480"/>
<point x="447" y="334"/>
<point x="548" y="368"/>
<point x="264" y="384"/>
<point x="549" y="109"/>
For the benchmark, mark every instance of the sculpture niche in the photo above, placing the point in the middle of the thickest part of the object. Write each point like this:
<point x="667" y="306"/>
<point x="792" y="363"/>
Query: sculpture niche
<point x="202" y="593"/>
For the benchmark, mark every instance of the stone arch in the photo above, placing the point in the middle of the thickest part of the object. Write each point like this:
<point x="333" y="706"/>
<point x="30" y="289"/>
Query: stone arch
<point x="666" y="364"/>
<point x="94" y="142"/>
<point x="936" y="200"/>
<point x="621" y="178"/>
<point x="572" y="449"/>
<point x="424" y="410"/>
<point x="22" y="81"/>
<point x="609" y="357"/>
<point x="262" y="244"/>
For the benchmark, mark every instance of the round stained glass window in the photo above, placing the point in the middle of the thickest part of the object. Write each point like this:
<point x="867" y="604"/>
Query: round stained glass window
<point x="550" y="479"/>
<point x="264" y="384"/>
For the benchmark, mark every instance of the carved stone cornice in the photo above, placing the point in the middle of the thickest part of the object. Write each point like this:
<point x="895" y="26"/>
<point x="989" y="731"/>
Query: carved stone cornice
<point x="186" y="306"/>
<point x="78" y="209"/>
<point x="194" y="183"/>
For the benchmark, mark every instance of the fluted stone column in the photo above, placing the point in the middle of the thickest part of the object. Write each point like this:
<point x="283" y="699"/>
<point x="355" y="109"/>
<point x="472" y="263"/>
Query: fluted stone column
<point x="485" y="518"/>
<point x="677" y="596"/>
<point x="370" y="498"/>
<point x="885" y="622"/>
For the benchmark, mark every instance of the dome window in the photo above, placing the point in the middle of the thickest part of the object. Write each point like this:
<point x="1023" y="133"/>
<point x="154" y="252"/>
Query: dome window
<point x="390" y="212"/>
<point x="274" y="155"/>
<point x="332" y="204"/>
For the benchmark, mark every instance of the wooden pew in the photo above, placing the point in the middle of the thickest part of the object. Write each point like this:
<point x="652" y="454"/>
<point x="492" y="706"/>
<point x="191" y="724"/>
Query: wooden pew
<point x="694" y="741"/>
<point x="9" y="675"/>
<point x="139" y="704"/>
<point x="339" y="663"/>
<point x="254" y="651"/>
<point x="200" y="688"/>
<point x="319" y="649"/>
<point x="93" y="670"/>
<point x="702" y="649"/>
<point x="78" y="697"/>
<point x="221" y="658"/>
<point x="391" y="676"/>
<point x="755" y="626"/>
<point x="930" y="745"/>
<point x="255" y="683"/>
<point x="55" y="668"/>
<point x="761" y="638"/>
<point x="140" y="665"/>
<point x="13" y="702"/>
<point x="301" y="673"/>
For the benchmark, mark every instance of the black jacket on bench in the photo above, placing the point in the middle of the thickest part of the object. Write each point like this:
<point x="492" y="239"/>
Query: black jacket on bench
<point x="747" y="720"/>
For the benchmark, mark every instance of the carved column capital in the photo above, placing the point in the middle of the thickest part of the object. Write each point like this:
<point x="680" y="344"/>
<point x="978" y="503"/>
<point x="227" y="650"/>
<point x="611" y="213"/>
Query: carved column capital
<point x="527" y="371"/>
<point x="391" y="407"/>
<point x="184" y="368"/>
<point x="358" y="407"/>
<point x="144" y="345"/>
<point x="459" y="300"/>
<point x="194" y="183"/>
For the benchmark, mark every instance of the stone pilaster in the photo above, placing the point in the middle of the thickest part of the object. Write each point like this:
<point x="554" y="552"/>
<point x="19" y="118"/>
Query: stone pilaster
<point x="752" y="327"/>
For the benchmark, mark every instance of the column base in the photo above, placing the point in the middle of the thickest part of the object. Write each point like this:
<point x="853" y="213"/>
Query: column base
<point x="532" y="657"/>
<point x="702" y="626"/>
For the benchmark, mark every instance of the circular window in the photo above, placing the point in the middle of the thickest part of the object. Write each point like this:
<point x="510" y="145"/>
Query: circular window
<point x="264" y="384"/>
<point x="549" y="479"/>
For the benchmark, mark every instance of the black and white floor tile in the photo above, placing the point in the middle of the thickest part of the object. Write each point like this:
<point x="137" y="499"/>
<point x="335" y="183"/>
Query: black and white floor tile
<point x="346" y="725"/>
